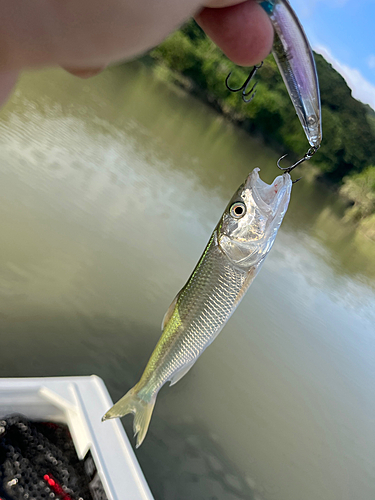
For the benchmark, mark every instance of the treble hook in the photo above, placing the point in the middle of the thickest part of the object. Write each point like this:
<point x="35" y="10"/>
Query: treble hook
<point x="310" y="153"/>
<point x="246" y="92"/>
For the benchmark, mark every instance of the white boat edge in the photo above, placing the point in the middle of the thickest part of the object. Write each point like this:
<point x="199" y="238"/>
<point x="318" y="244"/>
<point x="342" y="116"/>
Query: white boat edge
<point x="80" y="402"/>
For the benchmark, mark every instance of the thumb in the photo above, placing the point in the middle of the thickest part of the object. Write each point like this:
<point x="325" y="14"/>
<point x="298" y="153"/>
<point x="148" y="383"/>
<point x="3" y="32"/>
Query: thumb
<point x="7" y="82"/>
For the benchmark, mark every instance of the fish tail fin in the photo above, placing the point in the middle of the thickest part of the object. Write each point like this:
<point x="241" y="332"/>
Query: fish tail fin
<point x="132" y="402"/>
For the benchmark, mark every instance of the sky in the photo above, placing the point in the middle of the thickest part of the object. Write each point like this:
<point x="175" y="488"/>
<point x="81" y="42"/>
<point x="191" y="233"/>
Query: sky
<point x="343" y="31"/>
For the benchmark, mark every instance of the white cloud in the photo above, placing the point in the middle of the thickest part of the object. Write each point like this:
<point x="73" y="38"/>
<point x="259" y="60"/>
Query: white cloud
<point x="362" y="89"/>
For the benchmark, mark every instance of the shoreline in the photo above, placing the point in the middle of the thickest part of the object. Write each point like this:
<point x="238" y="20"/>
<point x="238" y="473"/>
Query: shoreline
<point x="365" y="226"/>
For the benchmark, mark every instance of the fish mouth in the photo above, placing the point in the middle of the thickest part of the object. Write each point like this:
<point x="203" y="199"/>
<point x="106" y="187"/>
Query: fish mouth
<point x="250" y="238"/>
<point x="270" y="198"/>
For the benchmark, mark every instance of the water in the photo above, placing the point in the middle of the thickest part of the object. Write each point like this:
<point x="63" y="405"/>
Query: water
<point x="110" y="189"/>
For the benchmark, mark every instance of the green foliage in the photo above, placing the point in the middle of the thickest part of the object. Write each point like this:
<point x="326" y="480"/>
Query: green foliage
<point x="179" y="53"/>
<point x="359" y="188"/>
<point x="367" y="226"/>
<point x="348" y="125"/>
<point x="371" y="118"/>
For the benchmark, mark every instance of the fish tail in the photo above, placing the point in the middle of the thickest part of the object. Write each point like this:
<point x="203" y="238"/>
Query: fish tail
<point x="132" y="402"/>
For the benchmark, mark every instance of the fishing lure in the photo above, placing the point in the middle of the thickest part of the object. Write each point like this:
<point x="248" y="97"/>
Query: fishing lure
<point x="229" y="264"/>
<point x="295" y="60"/>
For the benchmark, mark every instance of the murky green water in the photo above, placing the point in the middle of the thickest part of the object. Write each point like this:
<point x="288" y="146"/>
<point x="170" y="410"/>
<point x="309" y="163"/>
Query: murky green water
<point x="109" y="191"/>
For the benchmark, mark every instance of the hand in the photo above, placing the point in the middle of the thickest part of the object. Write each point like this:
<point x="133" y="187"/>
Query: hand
<point x="83" y="36"/>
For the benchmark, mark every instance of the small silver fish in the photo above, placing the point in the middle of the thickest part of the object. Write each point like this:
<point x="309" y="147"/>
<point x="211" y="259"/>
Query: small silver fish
<point x="228" y="266"/>
<point x="294" y="57"/>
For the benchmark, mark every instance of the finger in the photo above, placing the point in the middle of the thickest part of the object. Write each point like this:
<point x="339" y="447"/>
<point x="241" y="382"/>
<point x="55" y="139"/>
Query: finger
<point x="84" y="33"/>
<point x="85" y="72"/>
<point x="243" y="32"/>
<point x="8" y="81"/>
<point x="217" y="4"/>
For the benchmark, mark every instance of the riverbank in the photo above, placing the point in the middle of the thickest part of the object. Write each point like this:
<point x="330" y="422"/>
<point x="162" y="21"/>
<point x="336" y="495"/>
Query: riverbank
<point x="190" y="61"/>
<point x="180" y="83"/>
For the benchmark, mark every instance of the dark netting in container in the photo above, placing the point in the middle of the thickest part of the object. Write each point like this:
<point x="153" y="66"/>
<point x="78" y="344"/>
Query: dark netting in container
<point x="38" y="461"/>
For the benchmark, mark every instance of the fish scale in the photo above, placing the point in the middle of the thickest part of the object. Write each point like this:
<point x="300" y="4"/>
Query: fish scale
<point x="228" y="266"/>
<point x="204" y="305"/>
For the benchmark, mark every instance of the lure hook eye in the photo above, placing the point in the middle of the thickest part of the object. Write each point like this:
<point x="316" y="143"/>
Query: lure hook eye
<point x="238" y="210"/>
<point x="310" y="153"/>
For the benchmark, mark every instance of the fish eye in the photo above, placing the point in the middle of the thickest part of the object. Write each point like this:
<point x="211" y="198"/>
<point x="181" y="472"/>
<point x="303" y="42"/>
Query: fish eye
<point x="238" y="210"/>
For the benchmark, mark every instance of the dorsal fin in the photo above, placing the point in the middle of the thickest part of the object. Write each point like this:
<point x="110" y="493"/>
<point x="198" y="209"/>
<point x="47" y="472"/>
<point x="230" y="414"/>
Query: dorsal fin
<point x="169" y="313"/>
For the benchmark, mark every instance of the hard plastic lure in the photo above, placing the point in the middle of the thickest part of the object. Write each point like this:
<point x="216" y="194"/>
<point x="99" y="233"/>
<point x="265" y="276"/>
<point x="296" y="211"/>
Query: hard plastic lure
<point x="294" y="57"/>
<point x="228" y="266"/>
<point x="295" y="60"/>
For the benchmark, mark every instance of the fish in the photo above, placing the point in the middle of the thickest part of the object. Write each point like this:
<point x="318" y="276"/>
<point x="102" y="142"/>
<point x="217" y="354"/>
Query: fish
<point x="229" y="264"/>
<point x="295" y="60"/>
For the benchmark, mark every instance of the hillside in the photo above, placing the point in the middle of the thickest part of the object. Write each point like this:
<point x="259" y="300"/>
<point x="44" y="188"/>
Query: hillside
<point x="348" y="125"/>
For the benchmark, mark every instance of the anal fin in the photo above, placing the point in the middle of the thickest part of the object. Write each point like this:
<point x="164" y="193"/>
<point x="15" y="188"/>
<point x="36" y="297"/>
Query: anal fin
<point x="181" y="372"/>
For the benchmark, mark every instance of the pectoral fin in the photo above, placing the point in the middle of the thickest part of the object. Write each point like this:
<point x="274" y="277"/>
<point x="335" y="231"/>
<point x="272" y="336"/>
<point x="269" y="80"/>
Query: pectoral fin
<point x="253" y="271"/>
